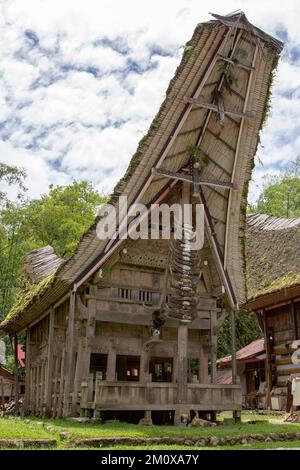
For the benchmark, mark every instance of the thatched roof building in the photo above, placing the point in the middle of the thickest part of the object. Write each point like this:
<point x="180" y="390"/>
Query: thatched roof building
<point x="272" y="259"/>
<point x="217" y="100"/>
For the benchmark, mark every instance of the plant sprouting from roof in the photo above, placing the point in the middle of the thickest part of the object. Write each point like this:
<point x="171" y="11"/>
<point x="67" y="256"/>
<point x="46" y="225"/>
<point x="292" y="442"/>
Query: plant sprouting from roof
<point x="198" y="156"/>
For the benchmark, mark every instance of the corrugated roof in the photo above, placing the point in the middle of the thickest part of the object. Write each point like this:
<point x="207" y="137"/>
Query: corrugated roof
<point x="252" y="350"/>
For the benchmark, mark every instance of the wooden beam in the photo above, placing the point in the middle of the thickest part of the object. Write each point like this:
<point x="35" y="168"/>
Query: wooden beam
<point x="182" y="362"/>
<point x="268" y="364"/>
<point x="237" y="151"/>
<point x="28" y="384"/>
<point x="233" y="346"/>
<point x="213" y="347"/>
<point x="236" y="63"/>
<point x="189" y="179"/>
<point x="49" y="370"/>
<point x="295" y="320"/>
<point x="217" y="252"/>
<point x="69" y="356"/>
<point x="16" y="374"/>
<point x="237" y="37"/>
<point x="213" y="107"/>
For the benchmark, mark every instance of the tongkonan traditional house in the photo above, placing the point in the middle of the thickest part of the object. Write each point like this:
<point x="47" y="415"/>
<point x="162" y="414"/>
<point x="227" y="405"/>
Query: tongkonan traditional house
<point x="130" y="326"/>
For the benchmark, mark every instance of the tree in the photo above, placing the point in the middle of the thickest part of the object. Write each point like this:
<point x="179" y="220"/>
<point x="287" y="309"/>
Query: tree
<point x="281" y="194"/>
<point x="60" y="217"/>
<point x="247" y="330"/>
<point x="57" y="219"/>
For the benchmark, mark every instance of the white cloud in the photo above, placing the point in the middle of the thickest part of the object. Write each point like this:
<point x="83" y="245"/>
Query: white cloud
<point x="82" y="79"/>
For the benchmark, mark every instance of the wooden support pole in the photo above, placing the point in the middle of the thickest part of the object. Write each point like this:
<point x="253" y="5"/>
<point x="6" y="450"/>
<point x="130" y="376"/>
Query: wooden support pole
<point x="213" y="346"/>
<point x="28" y="383"/>
<point x="16" y="374"/>
<point x="42" y="395"/>
<point x="268" y="364"/>
<point x="111" y="362"/>
<point x="182" y="362"/>
<point x="68" y="386"/>
<point x="2" y="392"/>
<point x="78" y="369"/>
<point x="295" y="320"/>
<point x="61" y="385"/>
<point x="49" y="369"/>
<point x="203" y="365"/>
<point x="89" y="335"/>
<point x="233" y="346"/>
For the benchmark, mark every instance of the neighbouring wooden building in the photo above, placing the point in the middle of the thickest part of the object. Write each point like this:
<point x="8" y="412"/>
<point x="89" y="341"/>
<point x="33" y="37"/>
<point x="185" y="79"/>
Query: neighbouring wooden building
<point x="273" y="281"/>
<point x="251" y="371"/>
<point x="130" y="326"/>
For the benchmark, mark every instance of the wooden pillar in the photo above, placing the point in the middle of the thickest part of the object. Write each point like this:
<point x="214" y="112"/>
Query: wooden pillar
<point x="68" y="386"/>
<point x="182" y="362"/>
<point x="89" y="335"/>
<point x="213" y="346"/>
<point x="233" y="346"/>
<point x="294" y="319"/>
<point x="268" y="364"/>
<point x="78" y="369"/>
<point x="61" y="385"/>
<point x="144" y="366"/>
<point x="43" y="388"/>
<point x="2" y="392"/>
<point x="175" y="364"/>
<point x="28" y="382"/>
<point x="16" y="373"/>
<point x="111" y="361"/>
<point x="49" y="368"/>
<point x="203" y="365"/>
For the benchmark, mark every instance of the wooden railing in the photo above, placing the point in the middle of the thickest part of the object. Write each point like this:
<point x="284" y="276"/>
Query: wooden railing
<point x="103" y="395"/>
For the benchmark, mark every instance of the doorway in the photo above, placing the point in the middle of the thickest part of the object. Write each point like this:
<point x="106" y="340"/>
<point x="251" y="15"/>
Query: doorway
<point x="161" y="369"/>
<point x="128" y="368"/>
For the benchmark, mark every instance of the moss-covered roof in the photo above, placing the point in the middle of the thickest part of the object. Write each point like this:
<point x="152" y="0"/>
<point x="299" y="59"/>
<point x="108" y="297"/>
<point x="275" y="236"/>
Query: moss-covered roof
<point x="27" y="297"/>
<point x="272" y="254"/>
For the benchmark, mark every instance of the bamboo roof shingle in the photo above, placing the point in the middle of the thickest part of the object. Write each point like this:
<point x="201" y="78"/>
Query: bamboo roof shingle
<point x="244" y="85"/>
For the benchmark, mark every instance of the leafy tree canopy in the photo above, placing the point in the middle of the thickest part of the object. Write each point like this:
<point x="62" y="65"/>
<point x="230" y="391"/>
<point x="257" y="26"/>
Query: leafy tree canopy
<point x="281" y="194"/>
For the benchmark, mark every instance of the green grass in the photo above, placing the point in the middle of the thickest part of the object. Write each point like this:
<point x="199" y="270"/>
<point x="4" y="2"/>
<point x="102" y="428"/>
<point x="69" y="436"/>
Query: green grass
<point x="115" y="429"/>
<point x="16" y="428"/>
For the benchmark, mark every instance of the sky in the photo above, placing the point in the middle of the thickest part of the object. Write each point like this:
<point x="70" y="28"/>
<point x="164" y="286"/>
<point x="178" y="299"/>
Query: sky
<point x="81" y="81"/>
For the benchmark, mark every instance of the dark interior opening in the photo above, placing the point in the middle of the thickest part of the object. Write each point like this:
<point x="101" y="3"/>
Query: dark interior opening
<point x="128" y="368"/>
<point x="98" y="363"/>
<point x="161" y="369"/>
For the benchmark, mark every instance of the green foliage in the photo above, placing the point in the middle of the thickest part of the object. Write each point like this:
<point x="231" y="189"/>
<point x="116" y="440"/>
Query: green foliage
<point x="281" y="194"/>
<point x="226" y="69"/>
<point x="11" y="175"/>
<point x="60" y="217"/>
<point x="188" y="52"/>
<point x="247" y="330"/>
<point x="198" y="156"/>
<point x="57" y="219"/>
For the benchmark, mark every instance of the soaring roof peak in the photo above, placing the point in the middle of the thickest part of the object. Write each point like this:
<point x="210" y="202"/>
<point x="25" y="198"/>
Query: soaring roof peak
<point x="217" y="101"/>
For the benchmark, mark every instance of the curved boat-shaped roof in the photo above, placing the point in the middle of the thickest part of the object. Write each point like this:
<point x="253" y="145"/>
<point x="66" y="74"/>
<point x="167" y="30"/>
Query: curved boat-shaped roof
<point x="217" y="100"/>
